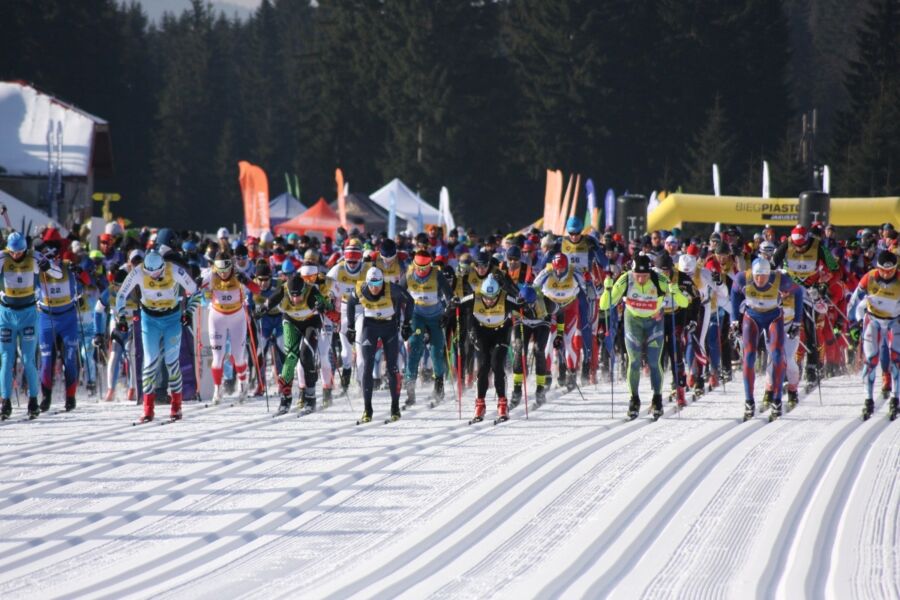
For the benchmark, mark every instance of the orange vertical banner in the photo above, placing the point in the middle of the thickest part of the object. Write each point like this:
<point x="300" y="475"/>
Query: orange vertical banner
<point x="557" y="199"/>
<point x="548" y="201"/>
<point x="255" y="193"/>
<point x="572" y="210"/>
<point x="561" y="218"/>
<point x="342" y="202"/>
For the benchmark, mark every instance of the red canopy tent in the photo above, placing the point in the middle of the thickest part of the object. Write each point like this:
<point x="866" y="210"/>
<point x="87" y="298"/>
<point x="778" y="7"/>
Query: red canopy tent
<point x="319" y="220"/>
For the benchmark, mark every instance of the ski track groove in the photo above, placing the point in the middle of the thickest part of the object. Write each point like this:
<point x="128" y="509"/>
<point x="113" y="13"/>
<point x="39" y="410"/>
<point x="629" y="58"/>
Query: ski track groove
<point x="774" y="570"/>
<point x="334" y="555"/>
<point x="722" y="534"/>
<point x="141" y="540"/>
<point x="130" y="581"/>
<point x="547" y="529"/>
<point x="577" y="448"/>
<point x="718" y="442"/>
<point x="876" y="572"/>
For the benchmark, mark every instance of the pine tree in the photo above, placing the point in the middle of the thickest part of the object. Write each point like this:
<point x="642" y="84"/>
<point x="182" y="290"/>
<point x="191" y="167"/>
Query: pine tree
<point x="712" y="144"/>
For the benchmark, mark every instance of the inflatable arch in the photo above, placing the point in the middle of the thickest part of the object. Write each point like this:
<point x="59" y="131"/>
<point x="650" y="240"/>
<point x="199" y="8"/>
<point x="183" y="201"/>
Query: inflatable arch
<point x="677" y="209"/>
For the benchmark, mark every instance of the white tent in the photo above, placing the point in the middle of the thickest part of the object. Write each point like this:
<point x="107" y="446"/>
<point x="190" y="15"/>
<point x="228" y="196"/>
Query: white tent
<point x="284" y="208"/>
<point x="409" y="204"/>
<point x="33" y="124"/>
<point x="23" y="217"/>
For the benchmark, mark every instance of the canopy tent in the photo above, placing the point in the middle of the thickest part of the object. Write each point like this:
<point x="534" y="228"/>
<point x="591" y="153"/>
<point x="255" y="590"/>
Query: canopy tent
<point x="408" y="204"/>
<point x="284" y="208"/>
<point x="362" y="209"/>
<point x="319" y="221"/>
<point x="23" y="217"/>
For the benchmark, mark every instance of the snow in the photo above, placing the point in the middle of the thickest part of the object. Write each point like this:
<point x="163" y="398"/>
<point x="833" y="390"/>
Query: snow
<point x="28" y="118"/>
<point x="569" y="503"/>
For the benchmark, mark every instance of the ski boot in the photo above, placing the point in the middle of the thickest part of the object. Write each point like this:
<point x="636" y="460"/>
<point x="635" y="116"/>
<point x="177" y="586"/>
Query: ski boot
<point x="571" y="383"/>
<point x="175" y="408"/>
<point x="149" y="406"/>
<point x="132" y="394"/>
<point x="749" y="409"/>
<point x="868" y="409"/>
<point x="812" y="378"/>
<point x="217" y="393"/>
<point x="656" y="404"/>
<point x="679" y="397"/>
<point x="286" y="399"/>
<point x="894" y="408"/>
<point x="45" y="399"/>
<point x="376" y="384"/>
<point x="776" y="410"/>
<point x="793" y="399"/>
<point x="242" y="391"/>
<point x="34" y="411"/>
<point x="345" y="379"/>
<point x="540" y="395"/>
<point x="110" y="395"/>
<point x="6" y="411"/>
<point x="365" y="418"/>
<point x="727" y="376"/>
<point x="410" y="393"/>
<point x="395" y="416"/>
<point x="91" y="387"/>
<point x="672" y="393"/>
<point x="516" y="397"/>
<point x="585" y="374"/>
<point x="308" y="401"/>
<point x="480" y="409"/>
<point x="438" y="389"/>
<point x="70" y="403"/>
<point x="548" y="381"/>
<point x="229" y="386"/>
<point x="713" y="381"/>
<point x="767" y="400"/>
<point x="326" y="398"/>
<point x="634" y="408"/>
<point x="502" y="410"/>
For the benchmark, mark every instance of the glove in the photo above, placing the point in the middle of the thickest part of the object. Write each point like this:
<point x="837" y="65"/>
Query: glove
<point x="793" y="329"/>
<point x="321" y="305"/>
<point x="691" y="326"/>
<point x="406" y="331"/>
<point x="187" y="319"/>
<point x="717" y="277"/>
<point x="454" y="302"/>
<point x="122" y="325"/>
<point x="608" y="283"/>
<point x="855" y="330"/>
<point x="735" y="327"/>
<point x="259" y="310"/>
<point x="351" y="336"/>
<point x="558" y="342"/>
<point x="98" y="341"/>
<point x="43" y="263"/>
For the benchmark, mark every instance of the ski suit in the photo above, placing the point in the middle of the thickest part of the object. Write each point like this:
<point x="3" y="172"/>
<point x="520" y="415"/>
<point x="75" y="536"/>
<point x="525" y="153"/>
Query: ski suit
<point x="380" y="317"/>
<point x="58" y="324"/>
<point x="879" y="324"/>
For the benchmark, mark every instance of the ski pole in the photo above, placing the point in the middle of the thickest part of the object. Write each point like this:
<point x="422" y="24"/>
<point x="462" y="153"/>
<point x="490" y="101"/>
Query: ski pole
<point x="675" y="356"/>
<point x="719" y="344"/>
<point x="458" y="366"/>
<point x="612" y="363"/>
<point x="255" y="357"/>
<point x="524" y="360"/>
<point x="6" y="217"/>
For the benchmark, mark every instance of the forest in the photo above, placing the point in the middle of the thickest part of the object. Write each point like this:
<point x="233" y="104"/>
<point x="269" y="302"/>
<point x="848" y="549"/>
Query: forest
<point x="479" y="96"/>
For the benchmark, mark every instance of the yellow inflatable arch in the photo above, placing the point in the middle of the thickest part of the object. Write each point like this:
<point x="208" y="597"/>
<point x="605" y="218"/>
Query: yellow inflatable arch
<point x="677" y="209"/>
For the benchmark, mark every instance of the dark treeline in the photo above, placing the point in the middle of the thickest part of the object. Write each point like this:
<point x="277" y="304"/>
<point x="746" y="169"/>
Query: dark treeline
<point x="479" y="96"/>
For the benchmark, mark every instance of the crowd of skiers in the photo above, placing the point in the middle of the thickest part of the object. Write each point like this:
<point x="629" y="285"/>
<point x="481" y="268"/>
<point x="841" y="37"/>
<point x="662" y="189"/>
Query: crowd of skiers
<point x="457" y="307"/>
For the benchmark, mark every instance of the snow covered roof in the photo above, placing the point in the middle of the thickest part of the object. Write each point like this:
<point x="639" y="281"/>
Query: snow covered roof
<point x="33" y="123"/>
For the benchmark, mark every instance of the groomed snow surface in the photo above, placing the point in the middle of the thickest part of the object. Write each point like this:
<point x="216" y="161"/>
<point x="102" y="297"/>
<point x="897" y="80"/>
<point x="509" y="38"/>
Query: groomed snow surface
<point x="231" y="503"/>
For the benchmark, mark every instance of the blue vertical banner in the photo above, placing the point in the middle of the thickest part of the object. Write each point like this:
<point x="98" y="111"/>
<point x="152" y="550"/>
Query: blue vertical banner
<point x="392" y="216"/>
<point x="609" y="208"/>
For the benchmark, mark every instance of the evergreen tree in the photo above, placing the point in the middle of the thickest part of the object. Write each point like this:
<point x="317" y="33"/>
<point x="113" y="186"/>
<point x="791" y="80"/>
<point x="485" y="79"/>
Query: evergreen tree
<point x="712" y="144"/>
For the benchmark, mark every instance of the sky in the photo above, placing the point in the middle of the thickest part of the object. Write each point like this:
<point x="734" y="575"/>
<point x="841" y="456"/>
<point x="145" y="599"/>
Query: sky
<point x="156" y="8"/>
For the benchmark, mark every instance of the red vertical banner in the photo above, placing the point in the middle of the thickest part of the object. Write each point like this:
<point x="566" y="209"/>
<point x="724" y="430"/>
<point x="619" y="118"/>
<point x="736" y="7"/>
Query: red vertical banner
<point x="342" y="202"/>
<point x="255" y="193"/>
